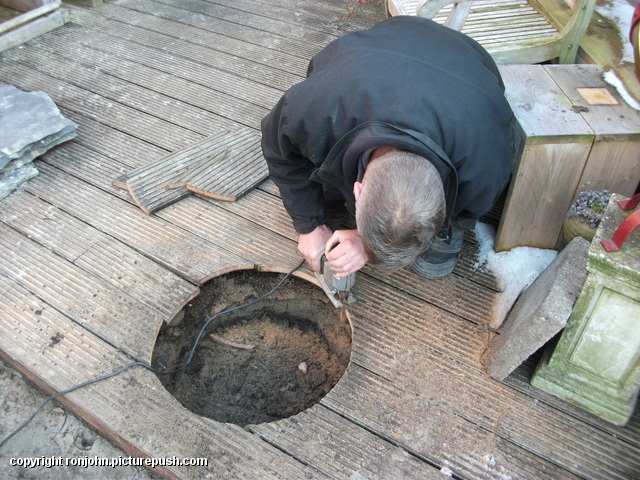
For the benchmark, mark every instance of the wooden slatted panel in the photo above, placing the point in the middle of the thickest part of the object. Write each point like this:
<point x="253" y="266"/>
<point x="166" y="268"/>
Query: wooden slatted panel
<point x="240" y="170"/>
<point x="181" y="252"/>
<point x="99" y="254"/>
<point x="222" y="166"/>
<point x="104" y="310"/>
<point x="148" y="184"/>
<point x="133" y="409"/>
<point x="495" y="23"/>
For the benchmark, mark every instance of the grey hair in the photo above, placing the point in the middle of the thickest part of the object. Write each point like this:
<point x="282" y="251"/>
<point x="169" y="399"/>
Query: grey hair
<point x="400" y="210"/>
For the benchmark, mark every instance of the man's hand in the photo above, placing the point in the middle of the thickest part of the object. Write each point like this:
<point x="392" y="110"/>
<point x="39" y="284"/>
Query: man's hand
<point x="345" y="252"/>
<point x="312" y="245"/>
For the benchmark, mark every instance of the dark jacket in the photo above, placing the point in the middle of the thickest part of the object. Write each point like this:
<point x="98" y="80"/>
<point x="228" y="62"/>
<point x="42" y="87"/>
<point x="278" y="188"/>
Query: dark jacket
<point x="407" y="82"/>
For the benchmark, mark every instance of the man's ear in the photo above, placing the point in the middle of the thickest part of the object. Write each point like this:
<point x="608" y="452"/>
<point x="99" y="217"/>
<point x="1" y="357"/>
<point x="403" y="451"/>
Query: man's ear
<point x="357" y="190"/>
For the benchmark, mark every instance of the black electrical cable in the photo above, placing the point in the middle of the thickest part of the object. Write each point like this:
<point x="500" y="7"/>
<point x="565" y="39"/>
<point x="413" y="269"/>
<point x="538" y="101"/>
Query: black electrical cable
<point x="145" y="365"/>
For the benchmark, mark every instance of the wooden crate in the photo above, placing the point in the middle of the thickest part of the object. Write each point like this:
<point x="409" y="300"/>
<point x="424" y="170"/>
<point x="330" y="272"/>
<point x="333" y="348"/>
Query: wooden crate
<point x="580" y="135"/>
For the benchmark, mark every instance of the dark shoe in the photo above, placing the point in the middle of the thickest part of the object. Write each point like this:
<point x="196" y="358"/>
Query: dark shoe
<point x="440" y="260"/>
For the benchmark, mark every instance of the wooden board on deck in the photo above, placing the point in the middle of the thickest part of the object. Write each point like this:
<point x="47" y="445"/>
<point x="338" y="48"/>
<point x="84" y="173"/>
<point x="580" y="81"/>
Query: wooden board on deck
<point x="240" y="168"/>
<point x="180" y="251"/>
<point x="222" y="166"/>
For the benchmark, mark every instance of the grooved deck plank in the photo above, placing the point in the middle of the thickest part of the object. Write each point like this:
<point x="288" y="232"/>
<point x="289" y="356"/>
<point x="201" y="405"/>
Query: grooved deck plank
<point x="122" y="117"/>
<point x="278" y="68"/>
<point x="189" y="256"/>
<point x="318" y="435"/>
<point x="221" y="94"/>
<point x="227" y="74"/>
<point x="98" y="306"/>
<point x="123" y="147"/>
<point x="133" y="409"/>
<point x="265" y="249"/>
<point x="97" y="253"/>
<point x="252" y="28"/>
<point x="173" y="110"/>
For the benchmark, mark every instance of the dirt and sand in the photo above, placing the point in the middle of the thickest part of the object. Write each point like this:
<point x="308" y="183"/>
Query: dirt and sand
<point x="267" y="361"/>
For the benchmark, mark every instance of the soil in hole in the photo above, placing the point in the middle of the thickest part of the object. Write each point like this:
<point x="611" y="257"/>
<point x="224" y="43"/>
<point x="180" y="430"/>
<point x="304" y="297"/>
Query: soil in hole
<point x="300" y="342"/>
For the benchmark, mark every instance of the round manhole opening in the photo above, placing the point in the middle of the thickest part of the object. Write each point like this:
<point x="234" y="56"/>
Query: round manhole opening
<point x="260" y="363"/>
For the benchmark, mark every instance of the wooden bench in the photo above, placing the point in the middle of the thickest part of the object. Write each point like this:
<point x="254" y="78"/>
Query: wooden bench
<point x="512" y="31"/>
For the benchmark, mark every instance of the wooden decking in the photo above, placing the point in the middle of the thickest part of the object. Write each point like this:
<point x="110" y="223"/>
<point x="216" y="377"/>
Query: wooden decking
<point x="87" y="279"/>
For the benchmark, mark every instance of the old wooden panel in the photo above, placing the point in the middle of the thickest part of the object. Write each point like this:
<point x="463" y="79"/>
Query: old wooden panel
<point x="148" y="183"/>
<point x="240" y="168"/>
<point x="33" y="29"/>
<point x="212" y="164"/>
<point x="30" y="14"/>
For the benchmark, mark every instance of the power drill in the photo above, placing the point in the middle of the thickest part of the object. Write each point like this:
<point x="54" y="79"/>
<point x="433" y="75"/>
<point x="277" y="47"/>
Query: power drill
<point x="337" y="289"/>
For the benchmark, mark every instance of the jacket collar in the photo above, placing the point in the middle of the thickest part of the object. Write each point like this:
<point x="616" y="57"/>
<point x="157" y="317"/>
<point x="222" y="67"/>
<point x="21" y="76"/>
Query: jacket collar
<point x="340" y="169"/>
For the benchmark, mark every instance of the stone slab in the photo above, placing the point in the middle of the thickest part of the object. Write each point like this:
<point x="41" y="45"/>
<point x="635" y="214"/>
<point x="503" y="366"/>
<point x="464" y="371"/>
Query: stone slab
<point x="541" y="311"/>
<point x="31" y="121"/>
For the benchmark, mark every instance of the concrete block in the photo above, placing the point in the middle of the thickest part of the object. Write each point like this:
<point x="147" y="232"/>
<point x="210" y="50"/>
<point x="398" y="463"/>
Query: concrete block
<point x="540" y="312"/>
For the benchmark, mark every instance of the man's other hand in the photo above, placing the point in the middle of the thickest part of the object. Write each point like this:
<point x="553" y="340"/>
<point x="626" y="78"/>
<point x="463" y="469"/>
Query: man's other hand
<point x="345" y="252"/>
<point x="312" y="245"/>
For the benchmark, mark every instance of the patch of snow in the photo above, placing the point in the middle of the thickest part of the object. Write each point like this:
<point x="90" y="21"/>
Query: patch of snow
<point x="446" y="471"/>
<point x="612" y="79"/>
<point x="620" y="12"/>
<point x="513" y="270"/>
